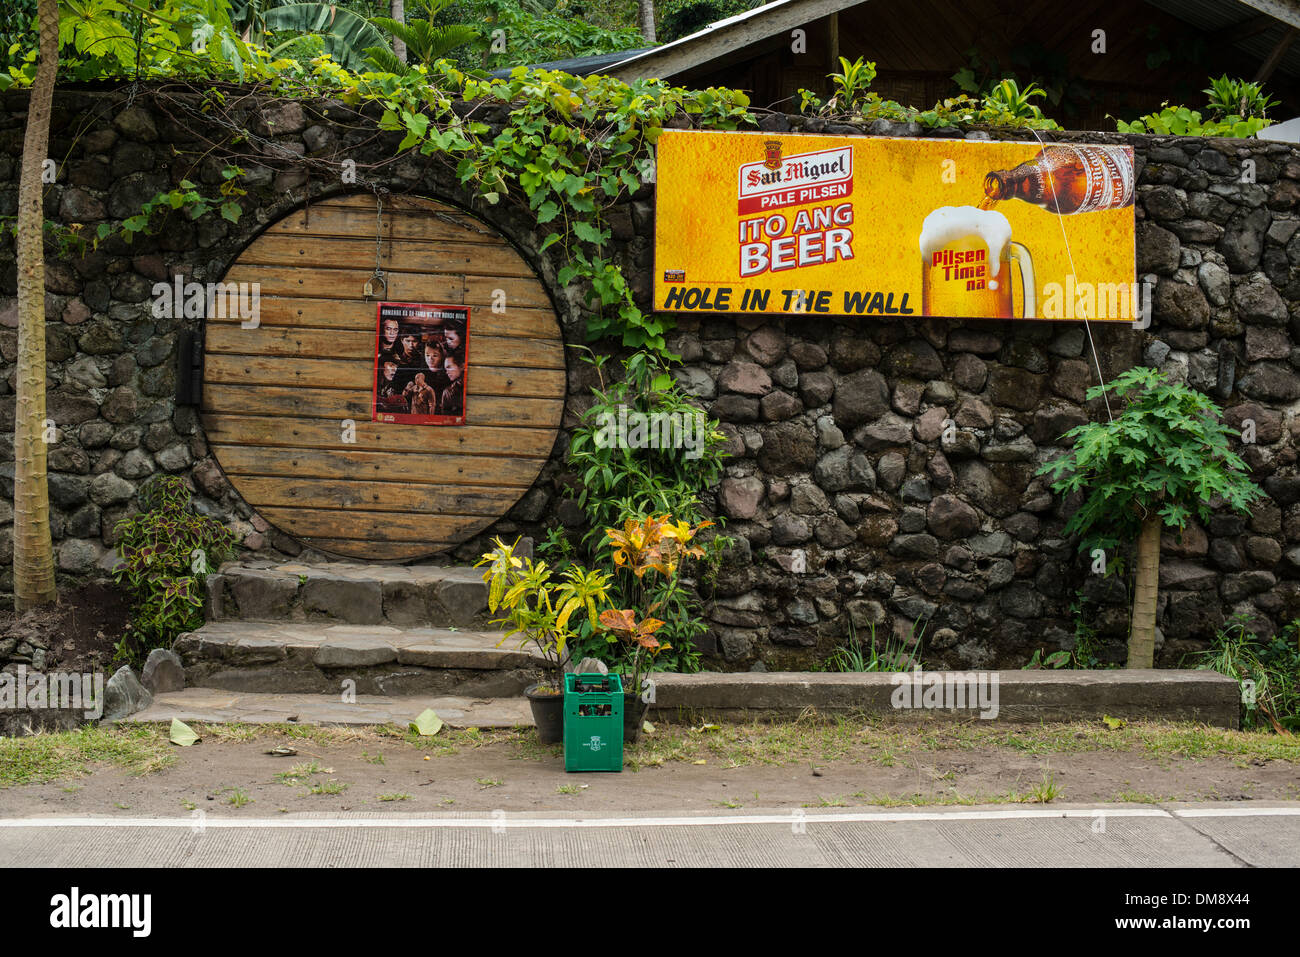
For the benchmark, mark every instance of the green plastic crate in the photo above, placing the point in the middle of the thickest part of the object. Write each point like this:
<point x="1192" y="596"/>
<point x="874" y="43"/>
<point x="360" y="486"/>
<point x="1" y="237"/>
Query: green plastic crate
<point x="593" y="722"/>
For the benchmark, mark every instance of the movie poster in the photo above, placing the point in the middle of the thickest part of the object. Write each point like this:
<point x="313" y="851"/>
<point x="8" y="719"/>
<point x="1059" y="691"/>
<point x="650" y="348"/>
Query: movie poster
<point x="421" y="362"/>
<point x="892" y="228"/>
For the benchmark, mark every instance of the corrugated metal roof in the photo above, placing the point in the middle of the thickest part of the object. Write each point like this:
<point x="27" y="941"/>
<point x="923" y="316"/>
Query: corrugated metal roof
<point x="1211" y="16"/>
<point x="1217" y="16"/>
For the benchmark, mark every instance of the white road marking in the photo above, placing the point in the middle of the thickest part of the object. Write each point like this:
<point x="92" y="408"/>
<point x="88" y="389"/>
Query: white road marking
<point x="795" y="816"/>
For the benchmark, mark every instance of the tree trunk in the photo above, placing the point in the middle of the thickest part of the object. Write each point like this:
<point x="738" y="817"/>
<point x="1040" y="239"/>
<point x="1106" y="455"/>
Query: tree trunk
<point x="33" y="553"/>
<point x="646" y="8"/>
<point x="398" y="12"/>
<point x="1142" y="638"/>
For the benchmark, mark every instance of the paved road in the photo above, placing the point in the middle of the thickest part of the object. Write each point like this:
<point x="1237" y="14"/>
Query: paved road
<point x="1125" y="835"/>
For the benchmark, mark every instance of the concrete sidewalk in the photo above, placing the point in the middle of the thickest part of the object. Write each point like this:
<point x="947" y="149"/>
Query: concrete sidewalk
<point x="1104" y="835"/>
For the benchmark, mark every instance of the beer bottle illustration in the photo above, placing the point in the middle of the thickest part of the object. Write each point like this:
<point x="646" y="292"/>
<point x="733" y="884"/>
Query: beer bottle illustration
<point x="1067" y="179"/>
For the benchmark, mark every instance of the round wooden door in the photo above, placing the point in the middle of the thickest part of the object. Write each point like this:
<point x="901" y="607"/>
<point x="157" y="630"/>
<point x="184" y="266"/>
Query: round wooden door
<point x="287" y="403"/>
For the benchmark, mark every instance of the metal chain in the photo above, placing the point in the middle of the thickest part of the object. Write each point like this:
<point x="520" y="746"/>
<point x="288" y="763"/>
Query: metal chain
<point x="378" y="274"/>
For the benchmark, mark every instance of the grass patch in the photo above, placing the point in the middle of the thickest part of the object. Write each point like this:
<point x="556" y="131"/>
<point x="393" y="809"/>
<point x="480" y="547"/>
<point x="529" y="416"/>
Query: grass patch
<point x="40" y="758"/>
<point x="822" y="738"/>
<point x="301" y="772"/>
<point x="1140" y="797"/>
<point x="327" y="787"/>
<point x="394" y="797"/>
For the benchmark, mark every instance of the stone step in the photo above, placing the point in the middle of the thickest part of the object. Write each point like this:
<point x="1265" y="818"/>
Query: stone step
<point x="214" y="706"/>
<point x="318" y="658"/>
<point x="353" y="593"/>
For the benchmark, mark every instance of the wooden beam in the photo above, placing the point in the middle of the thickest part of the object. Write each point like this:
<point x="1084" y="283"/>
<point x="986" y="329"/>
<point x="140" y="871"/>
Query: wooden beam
<point x="834" y="26"/>
<point x="1288" y="11"/>
<point x="711" y="43"/>
<point x="1275" y="57"/>
<point x="1251" y="26"/>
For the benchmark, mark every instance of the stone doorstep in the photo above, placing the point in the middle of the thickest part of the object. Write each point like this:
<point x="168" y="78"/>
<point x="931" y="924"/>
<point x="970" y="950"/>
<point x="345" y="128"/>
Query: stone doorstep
<point x="224" y="707"/>
<point x="443" y="596"/>
<point x="1174" y="695"/>
<point x="349" y="646"/>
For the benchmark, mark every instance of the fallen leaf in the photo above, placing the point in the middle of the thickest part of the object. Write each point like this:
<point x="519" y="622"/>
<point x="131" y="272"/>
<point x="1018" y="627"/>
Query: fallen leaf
<point x="701" y="761"/>
<point x="647" y="727"/>
<point x="283" y="751"/>
<point x="182" y="734"/>
<point x="1113" y="723"/>
<point x="427" y="724"/>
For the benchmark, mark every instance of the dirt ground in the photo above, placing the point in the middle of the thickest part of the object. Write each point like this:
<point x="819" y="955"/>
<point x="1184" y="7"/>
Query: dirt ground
<point x="79" y="632"/>
<point x="512" y="772"/>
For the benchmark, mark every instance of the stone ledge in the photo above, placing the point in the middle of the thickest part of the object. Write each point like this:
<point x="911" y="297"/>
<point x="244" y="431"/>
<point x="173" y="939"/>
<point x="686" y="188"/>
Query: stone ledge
<point x="1023" y="696"/>
<point x="220" y="707"/>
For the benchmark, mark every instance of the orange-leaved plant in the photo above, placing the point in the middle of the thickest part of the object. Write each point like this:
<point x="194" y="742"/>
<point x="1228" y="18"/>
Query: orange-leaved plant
<point x="652" y="544"/>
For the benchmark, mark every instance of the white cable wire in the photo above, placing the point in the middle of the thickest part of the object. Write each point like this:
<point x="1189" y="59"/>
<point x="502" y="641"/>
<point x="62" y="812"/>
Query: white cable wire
<point x="1064" y="235"/>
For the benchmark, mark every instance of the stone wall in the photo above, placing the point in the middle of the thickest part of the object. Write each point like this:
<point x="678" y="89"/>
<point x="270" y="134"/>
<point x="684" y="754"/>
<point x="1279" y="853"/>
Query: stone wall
<point x="846" y="502"/>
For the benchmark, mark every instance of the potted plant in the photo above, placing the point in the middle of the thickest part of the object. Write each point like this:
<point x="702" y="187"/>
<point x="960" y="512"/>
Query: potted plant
<point x="648" y="548"/>
<point x="541" y="611"/>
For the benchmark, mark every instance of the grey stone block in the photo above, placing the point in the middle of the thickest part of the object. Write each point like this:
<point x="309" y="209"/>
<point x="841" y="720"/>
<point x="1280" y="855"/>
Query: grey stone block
<point x="124" y="695"/>
<point x="163" y="671"/>
<point x="262" y="596"/>
<point x="357" y="602"/>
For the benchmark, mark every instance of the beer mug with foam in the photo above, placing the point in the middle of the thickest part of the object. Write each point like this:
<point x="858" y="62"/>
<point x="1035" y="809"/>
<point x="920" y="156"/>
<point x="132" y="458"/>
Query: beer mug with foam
<point x="966" y="257"/>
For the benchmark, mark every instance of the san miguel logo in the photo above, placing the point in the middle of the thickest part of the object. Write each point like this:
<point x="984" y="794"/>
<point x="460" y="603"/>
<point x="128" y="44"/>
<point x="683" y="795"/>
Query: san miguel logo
<point x="773" y="160"/>
<point x="778" y="181"/>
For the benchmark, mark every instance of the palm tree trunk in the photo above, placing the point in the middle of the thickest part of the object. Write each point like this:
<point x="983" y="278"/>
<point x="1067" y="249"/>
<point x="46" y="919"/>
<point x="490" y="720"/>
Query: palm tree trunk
<point x="33" y="552"/>
<point x="397" y="10"/>
<point x="1142" y="638"/>
<point x="646" y="9"/>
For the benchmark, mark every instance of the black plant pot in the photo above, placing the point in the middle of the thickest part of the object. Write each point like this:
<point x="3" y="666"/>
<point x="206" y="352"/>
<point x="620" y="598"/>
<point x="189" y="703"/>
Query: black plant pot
<point x="634" y="712"/>
<point x="548" y="714"/>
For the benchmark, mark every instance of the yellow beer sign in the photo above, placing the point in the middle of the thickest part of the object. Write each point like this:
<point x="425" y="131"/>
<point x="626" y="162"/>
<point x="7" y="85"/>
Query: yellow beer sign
<point x="866" y="226"/>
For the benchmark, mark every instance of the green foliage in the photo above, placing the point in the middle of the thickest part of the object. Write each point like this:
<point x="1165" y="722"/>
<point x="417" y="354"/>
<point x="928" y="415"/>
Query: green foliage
<point x="1228" y="97"/>
<point x="1181" y="121"/>
<point x="1007" y="97"/>
<point x="425" y="42"/>
<point x="1273" y="665"/>
<point x="71" y="240"/>
<point x="1086" y="653"/>
<point x="17" y="30"/>
<point x="1056" y="660"/>
<point x="851" y="84"/>
<point x="1168" y="453"/>
<point x="680" y="18"/>
<point x="344" y="35"/>
<point x="536" y="34"/>
<point x="1237" y="109"/>
<point x="146" y="38"/>
<point x="543" y="612"/>
<point x="892" y="653"/>
<point x="617" y="483"/>
<point x="1047" y="69"/>
<point x="167" y="551"/>
<point x="1006" y="105"/>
